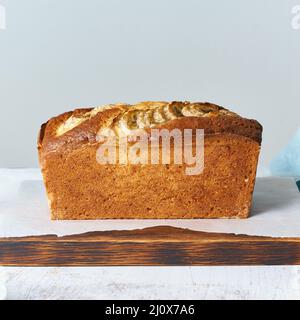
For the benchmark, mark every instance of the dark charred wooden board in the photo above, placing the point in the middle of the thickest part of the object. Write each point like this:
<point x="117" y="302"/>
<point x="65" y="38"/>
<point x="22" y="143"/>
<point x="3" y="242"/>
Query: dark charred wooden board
<point x="156" y="246"/>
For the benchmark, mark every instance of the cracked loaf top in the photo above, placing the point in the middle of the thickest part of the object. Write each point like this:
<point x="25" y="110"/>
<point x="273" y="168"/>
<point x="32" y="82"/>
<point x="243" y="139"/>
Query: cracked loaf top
<point x="83" y="125"/>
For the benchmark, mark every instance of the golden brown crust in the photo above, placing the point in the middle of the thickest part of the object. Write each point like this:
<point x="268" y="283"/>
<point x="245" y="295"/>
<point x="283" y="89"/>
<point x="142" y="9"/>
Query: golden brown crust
<point x="86" y="131"/>
<point x="78" y="187"/>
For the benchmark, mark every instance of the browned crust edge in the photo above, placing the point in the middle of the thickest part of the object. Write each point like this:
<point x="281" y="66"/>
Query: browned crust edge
<point x="86" y="132"/>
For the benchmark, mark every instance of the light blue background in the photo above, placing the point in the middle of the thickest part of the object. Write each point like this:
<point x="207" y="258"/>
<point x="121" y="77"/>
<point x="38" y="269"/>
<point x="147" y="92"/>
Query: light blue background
<point x="59" y="54"/>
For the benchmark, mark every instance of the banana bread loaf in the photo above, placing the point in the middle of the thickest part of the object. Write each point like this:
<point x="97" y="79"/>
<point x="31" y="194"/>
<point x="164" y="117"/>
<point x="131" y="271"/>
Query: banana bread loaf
<point x="88" y="177"/>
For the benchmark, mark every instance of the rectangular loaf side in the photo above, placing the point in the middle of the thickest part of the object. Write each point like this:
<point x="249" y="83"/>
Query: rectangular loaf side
<point x="78" y="187"/>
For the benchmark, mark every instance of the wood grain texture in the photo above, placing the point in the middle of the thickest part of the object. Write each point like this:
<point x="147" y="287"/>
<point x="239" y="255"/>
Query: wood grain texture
<point x="156" y="246"/>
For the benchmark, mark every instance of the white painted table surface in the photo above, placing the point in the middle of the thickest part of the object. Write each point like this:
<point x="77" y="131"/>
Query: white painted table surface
<point x="239" y="282"/>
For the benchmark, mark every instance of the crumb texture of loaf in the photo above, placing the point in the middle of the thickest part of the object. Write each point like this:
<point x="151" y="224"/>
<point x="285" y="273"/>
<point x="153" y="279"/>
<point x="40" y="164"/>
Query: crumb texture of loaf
<point x="78" y="187"/>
